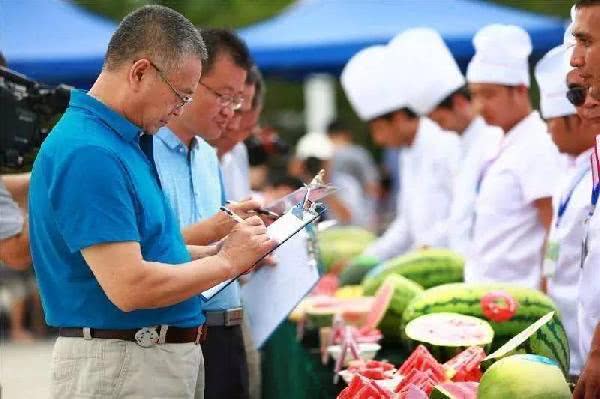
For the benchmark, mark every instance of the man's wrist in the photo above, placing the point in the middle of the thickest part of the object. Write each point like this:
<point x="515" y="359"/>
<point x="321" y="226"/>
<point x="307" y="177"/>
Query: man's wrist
<point x="224" y="266"/>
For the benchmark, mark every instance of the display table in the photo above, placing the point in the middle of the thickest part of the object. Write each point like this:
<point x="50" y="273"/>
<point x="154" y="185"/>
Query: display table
<point x="293" y="370"/>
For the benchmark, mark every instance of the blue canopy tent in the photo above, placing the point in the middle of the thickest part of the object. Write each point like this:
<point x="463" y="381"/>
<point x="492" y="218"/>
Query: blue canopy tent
<point x="321" y="35"/>
<point x="53" y="41"/>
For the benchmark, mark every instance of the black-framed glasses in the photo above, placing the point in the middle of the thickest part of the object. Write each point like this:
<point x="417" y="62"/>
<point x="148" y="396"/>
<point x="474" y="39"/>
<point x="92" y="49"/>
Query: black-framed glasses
<point x="183" y="98"/>
<point x="576" y="95"/>
<point x="226" y="100"/>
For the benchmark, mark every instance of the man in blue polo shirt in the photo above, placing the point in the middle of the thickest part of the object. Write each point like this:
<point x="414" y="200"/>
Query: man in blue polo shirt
<point x="189" y="171"/>
<point x="114" y="272"/>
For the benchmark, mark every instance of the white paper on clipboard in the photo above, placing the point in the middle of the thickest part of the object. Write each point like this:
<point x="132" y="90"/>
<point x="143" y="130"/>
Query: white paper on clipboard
<point x="281" y="230"/>
<point x="273" y="292"/>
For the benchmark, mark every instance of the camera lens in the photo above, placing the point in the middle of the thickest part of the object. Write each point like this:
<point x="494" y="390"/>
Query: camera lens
<point x="576" y="95"/>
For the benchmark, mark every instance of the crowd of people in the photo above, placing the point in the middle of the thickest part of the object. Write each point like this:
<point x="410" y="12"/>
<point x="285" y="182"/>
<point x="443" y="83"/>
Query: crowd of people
<point x="121" y="216"/>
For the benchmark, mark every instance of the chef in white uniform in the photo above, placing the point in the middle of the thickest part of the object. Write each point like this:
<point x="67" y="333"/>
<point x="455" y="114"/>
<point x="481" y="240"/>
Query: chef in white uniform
<point x="428" y="156"/>
<point x="586" y="31"/>
<point x="513" y="210"/>
<point x="575" y="138"/>
<point x="439" y="91"/>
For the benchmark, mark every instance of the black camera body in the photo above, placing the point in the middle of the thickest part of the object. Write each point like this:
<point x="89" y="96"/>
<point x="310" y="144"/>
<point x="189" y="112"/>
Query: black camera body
<point x="27" y="110"/>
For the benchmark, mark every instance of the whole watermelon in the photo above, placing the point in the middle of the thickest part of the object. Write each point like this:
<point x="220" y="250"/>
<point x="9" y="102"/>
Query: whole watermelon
<point x="550" y="340"/>
<point x="427" y="267"/>
<point x="340" y="244"/>
<point x="357" y="269"/>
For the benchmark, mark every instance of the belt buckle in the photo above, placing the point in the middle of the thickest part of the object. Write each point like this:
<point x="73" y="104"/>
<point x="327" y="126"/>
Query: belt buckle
<point x="146" y="337"/>
<point x="233" y="317"/>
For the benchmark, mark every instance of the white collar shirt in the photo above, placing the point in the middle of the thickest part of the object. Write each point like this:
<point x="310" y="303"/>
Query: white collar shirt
<point x="427" y="171"/>
<point x="478" y="144"/>
<point x="571" y="207"/>
<point x="236" y="175"/>
<point x="508" y="236"/>
<point x="588" y="309"/>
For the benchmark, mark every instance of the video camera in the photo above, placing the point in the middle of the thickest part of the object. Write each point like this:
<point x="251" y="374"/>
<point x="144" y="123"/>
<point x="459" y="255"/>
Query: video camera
<point x="27" y="110"/>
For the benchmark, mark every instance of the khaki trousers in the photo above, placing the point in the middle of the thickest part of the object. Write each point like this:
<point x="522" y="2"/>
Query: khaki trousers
<point x="110" y="368"/>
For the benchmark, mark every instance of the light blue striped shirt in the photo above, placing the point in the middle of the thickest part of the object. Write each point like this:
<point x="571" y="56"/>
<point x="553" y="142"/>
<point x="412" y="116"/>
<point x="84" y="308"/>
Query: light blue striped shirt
<point x="192" y="182"/>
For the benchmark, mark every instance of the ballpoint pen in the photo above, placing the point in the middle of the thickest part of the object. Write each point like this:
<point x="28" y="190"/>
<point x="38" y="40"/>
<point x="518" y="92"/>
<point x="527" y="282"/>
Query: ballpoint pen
<point x="232" y="215"/>
<point x="261" y="211"/>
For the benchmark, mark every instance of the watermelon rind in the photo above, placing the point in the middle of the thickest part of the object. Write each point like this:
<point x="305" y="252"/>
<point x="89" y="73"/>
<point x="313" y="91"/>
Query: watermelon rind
<point x="420" y="331"/>
<point x="524" y="376"/>
<point x="340" y="244"/>
<point x="357" y="269"/>
<point x="464" y="298"/>
<point x="404" y="291"/>
<point x="427" y="267"/>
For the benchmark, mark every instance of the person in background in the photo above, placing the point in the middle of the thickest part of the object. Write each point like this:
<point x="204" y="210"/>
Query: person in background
<point x="374" y="81"/>
<point x="575" y="138"/>
<point x="191" y="178"/>
<point x="513" y="209"/>
<point x="439" y="91"/>
<point x="586" y="61"/>
<point x="233" y="158"/>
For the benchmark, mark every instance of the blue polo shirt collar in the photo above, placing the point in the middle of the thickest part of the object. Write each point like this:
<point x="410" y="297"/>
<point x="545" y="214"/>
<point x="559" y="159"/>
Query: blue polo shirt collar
<point x="173" y="142"/>
<point x="117" y="122"/>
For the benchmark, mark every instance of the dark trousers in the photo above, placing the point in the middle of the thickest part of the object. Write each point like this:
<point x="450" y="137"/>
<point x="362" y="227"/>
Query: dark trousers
<point x="225" y="367"/>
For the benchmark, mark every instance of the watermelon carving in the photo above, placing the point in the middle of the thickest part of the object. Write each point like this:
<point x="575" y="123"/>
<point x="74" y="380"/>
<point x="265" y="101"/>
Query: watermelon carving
<point x="550" y="341"/>
<point x="446" y="334"/>
<point x="466" y="366"/>
<point x="498" y="306"/>
<point x="420" y="359"/>
<point x="428" y="268"/>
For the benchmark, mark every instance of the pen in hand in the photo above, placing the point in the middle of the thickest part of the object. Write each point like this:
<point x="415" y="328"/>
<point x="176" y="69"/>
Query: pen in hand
<point x="232" y="214"/>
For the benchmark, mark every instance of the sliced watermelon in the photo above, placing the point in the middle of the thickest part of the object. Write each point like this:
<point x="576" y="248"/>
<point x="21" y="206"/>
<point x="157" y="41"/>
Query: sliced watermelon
<point x="455" y="390"/>
<point x="422" y="360"/>
<point x="466" y="366"/>
<point x="383" y="298"/>
<point x="424" y="380"/>
<point x="447" y="334"/>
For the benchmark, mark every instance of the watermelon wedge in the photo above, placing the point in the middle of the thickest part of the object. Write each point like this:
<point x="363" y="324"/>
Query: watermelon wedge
<point x="447" y="334"/>
<point x="455" y="390"/>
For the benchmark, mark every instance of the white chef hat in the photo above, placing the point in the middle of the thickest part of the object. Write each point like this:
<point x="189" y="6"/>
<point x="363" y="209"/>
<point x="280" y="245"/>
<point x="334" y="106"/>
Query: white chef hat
<point x="424" y="67"/>
<point x="551" y="75"/>
<point x="363" y="80"/>
<point x="314" y="144"/>
<point x="501" y="53"/>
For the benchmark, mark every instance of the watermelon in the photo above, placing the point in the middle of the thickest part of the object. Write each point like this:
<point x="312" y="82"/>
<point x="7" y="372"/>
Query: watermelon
<point x="383" y="298"/>
<point x="447" y="334"/>
<point x="427" y="267"/>
<point x="340" y="244"/>
<point x="404" y="291"/>
<point x="420" y="359"/>
<point x="455" y="390"/>
<point x="321" y="311"/>
<point x="526" y="377"/>
<point x="550" y="341"/>
<point x="466" y="366"/>
<point x="357" y="269"/>
<point x="349" y="291"/>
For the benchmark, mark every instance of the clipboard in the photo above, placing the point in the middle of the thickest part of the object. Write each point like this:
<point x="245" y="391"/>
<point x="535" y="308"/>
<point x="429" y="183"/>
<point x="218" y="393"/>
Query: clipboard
<point x="288" y="225"/>
<point x="312" y="192"/>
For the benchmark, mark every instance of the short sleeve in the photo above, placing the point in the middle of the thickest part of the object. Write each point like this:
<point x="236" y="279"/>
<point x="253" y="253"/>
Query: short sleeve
<point x="92" y="199"/>
<point x="538" y="173"/>
<point x="12" y="217"/>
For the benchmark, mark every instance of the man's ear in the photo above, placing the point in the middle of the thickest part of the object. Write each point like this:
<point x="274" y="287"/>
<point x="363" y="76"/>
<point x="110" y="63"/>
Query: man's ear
<point x="138" y="73"/>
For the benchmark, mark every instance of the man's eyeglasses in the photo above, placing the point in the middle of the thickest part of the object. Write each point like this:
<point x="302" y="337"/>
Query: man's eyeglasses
<point x="226" y="100"/>
<point x="183" y="99"/>
<point x="576" y="95"/>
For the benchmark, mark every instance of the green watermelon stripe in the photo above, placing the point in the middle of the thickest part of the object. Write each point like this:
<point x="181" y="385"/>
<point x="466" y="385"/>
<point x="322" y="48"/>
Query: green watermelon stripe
<point x="558" y="337"/>
<point x="559" y="355"/>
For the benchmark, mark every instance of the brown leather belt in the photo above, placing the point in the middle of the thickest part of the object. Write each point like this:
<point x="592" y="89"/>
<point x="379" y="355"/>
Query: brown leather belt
<point x="148" y="336"/>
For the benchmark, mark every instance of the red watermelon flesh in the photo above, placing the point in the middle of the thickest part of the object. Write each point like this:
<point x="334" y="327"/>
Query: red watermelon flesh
<point x="460" y="390"/>
<point x="466" y="365"/>
<point x="422" y="360"/>
<point x="424" y="380"/>
<point x="383" y="297"/>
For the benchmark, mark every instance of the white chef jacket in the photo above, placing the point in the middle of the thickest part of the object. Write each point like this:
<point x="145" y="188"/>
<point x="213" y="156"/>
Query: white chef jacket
<point x="571" y="207"/>
<point x="507" y="234"/>
<point x="235" y="170"/>
<point x="588" y="307"/>
<point x="479" y="142"/>
<point x="427" y="170"/>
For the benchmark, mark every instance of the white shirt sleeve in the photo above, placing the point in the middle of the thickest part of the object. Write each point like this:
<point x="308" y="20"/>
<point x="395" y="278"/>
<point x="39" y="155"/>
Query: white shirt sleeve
<point x="538" y="172"/>
<point x="395" y="241"/>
